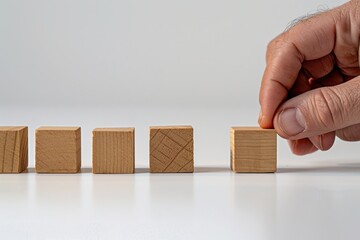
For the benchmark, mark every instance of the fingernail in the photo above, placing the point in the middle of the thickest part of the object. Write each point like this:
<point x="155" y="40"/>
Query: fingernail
<point x="291" y="121"/>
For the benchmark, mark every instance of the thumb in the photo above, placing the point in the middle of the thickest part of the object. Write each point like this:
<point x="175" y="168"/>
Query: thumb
<point x="319" y="111"/>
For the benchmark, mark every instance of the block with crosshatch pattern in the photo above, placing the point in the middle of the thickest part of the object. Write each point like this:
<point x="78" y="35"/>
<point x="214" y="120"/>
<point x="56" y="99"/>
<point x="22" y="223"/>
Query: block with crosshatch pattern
<point x="171" y="149"/>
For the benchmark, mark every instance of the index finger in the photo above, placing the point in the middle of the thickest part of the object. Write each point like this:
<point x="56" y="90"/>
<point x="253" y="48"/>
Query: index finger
<point x="310" y="39"/>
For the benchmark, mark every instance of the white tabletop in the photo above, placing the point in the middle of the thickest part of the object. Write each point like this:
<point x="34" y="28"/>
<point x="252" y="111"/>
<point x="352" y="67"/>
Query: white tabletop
<point x="313" y="202"/>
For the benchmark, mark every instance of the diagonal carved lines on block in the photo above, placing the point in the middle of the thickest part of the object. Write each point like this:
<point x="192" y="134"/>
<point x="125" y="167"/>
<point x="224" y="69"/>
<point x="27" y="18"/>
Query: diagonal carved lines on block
<point x="13" y="149"/>
<point x="171" y="149"/>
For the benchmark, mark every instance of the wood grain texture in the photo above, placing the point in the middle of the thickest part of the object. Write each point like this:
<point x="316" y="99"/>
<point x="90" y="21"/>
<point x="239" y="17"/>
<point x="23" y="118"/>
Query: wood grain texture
<point x="171" y="149"/>
<point x="58" y="150"/>
<point x="253" y="149"/>
<point x="13" y="149"/>
<point x="113" y="150"/>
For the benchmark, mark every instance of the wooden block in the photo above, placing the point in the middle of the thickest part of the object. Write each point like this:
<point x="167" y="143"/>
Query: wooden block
<point x="13" y="149"/>
<point x="171" y="149"/>
<point x="253" y="149"/>
<point x="58" y="150"/>
<point x="113" y="150"/>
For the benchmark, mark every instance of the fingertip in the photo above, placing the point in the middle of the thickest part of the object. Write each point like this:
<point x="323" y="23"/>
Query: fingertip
<point x="265" y="122"/>
<point x="260" y="117"/>
<point x="328" y="141"/>
<point x="302" y="147"/>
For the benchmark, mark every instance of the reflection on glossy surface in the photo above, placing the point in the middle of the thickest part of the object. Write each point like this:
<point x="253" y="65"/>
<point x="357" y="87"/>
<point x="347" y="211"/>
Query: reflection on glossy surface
<point x="298" y="202"/>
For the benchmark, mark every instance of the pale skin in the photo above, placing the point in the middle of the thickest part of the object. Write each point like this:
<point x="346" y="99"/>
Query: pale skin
<point x="310" y="91"/>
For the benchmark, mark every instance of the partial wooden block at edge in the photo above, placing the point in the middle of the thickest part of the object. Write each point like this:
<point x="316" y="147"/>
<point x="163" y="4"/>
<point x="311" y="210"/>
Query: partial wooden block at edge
<point x="253" y="149"/>
<point x="114" y="150"/>
<point x="58" y="150"/>
<point x="171" y="149"/>
<point x="13" y="149"/>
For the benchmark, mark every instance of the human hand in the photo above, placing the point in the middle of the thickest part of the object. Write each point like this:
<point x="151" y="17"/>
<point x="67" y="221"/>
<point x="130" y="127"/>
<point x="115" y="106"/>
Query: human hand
<point x="310" y="91"/>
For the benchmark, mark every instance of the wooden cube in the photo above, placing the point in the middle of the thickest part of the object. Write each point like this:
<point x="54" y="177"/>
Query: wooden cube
<point x="253" y="149"/>
<point x="13" y="149"/>
<point x="58" y="150"/>
<point x="114" y="150"/>
<point x="171" y="149"/>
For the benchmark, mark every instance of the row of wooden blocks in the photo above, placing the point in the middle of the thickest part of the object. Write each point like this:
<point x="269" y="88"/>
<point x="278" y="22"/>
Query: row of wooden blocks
<point x="58" y="149"/>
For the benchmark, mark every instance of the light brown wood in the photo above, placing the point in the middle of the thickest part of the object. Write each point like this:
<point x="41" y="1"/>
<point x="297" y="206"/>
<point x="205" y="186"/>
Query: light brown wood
<point x="171" y="149"/>
<point x="113" y="150"/>
<point x="13" y="149"/>
<point x="253" y="149"/>
<point x="58" y="150"/>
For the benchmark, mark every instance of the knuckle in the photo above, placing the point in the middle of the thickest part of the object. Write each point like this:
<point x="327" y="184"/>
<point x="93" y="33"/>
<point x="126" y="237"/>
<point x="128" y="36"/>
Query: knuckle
<point x="326" y="106"/>
<point x="273" y="43"/>
<point x="351" y="96"/>
<point x="353" y="8"/>
<point x="283" y="47"/>
<point x="276" y="43"/>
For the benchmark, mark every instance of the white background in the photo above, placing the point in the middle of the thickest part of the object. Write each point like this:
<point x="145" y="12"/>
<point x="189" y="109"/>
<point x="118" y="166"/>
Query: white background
<point x="140" y="63"/>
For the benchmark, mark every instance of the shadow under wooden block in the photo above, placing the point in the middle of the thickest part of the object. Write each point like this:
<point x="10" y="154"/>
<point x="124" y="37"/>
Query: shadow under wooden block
<point x="58" y="150"/>
<point x="253" y="149"/>
<point x="113" y="150"/>
<point x="171" y="149"/>
<point x="13" y="149"/>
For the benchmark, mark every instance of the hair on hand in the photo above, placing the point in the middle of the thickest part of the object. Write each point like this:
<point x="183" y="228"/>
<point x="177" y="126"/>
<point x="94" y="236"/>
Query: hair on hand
<point x="321" y="9"/>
